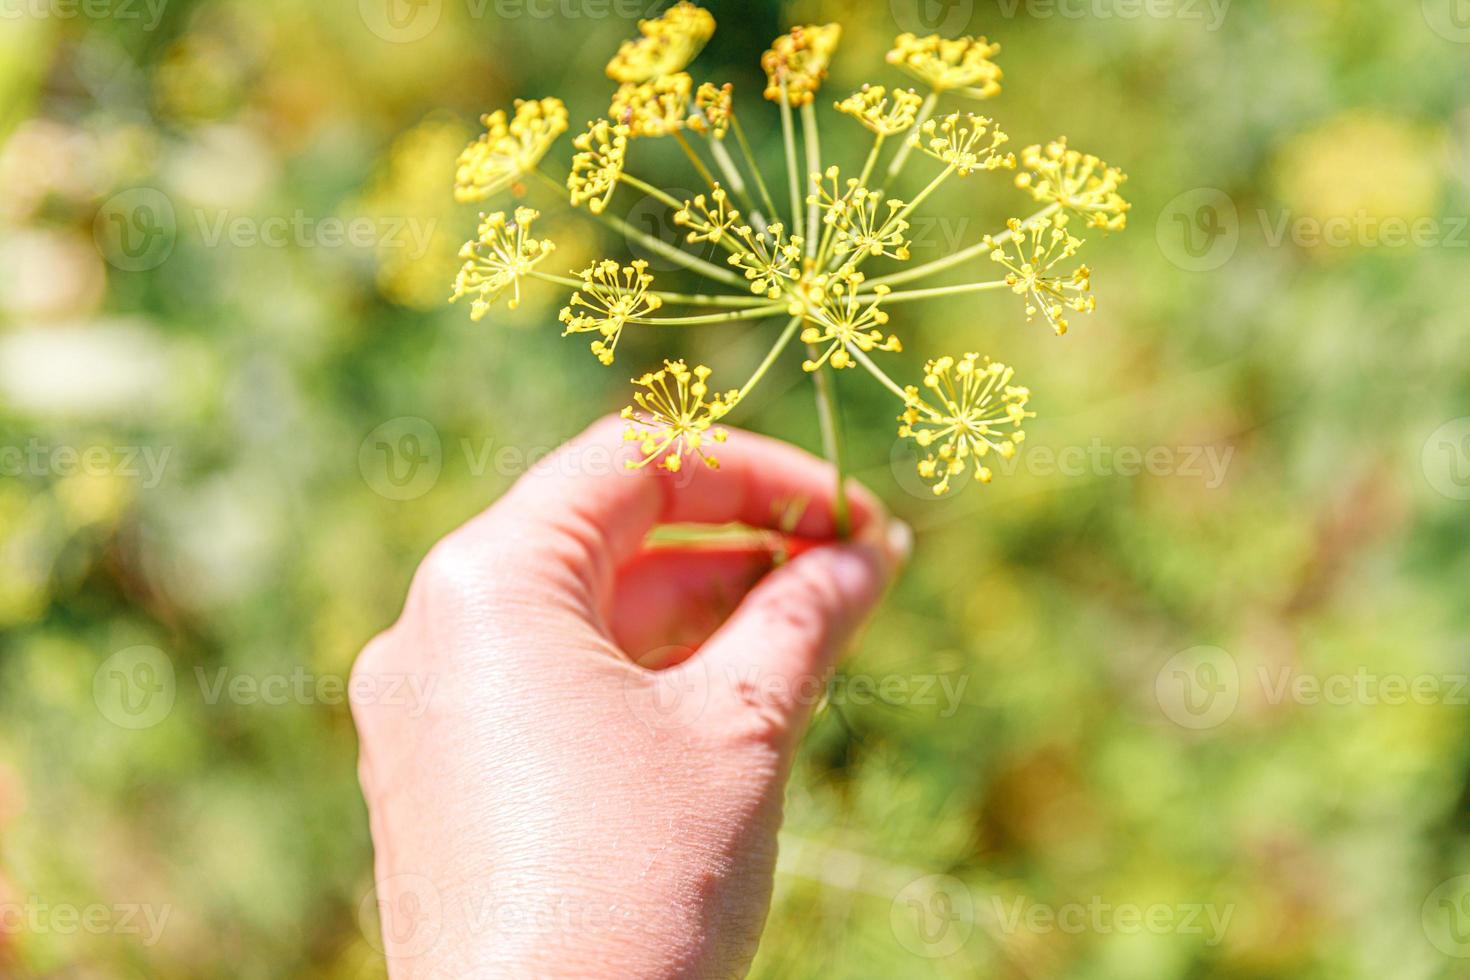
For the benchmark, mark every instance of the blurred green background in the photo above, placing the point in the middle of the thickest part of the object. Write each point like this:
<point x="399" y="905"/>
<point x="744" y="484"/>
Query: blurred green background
<point x="1086" y="735"/>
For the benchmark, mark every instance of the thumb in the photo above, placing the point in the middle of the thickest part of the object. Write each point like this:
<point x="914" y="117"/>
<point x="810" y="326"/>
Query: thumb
<point x="773" y="655"/>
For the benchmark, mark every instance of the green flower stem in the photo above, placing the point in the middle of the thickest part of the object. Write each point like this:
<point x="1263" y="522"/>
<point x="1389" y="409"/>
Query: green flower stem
<point x="789" y="139"/>
<point x="754" y="313"/>
<point x="760" y="181"/>
<point x="908" y="208"/>
<point x="872" y="159"/>
<point x="559" y="280"/>
<point x="704" y="173"/>
<point x="692" y="299"/>
<point x="925" y="111"/>
<point x="813" y="170"/>
<point x="982" y="247"/>
<point x="911" y="294"/>
<point x="770" y="358"/>
<point x="671" y="252"/>
<point x="830" y="417"/>
<point x="651" y="191"/>
<point x="877" y="372"/>
<point x="731" y="173"/>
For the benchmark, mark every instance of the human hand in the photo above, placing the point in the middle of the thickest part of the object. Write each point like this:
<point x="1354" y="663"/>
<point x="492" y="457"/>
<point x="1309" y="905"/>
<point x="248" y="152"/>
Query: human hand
<point x="557" y="809"/>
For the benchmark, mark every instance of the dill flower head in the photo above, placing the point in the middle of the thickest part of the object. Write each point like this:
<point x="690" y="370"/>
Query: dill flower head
<point x="858" y="228"/>
<point x="654" y="108"/>
<point x="716" y="107"/>
<point x="958" y="139"/>
<point x="708" y="219"/>
<point x="881" y="113"/>
<point x="610" y="297"/>
<point x="844" y="319"/>
<point x="799" y="60"/>
<point x="1077" y="181"/>
<point x="975" y="401"/>
<point x="1038" y="249"/>
<point x="508" y="149"/>
<point x="674" y="416"/>
<point x="669" y="42"/>
<point x="597" y="164"/>
<point x="498" y="259"/>
<point x="770" y="259"/>
<point x="960" y="64"/>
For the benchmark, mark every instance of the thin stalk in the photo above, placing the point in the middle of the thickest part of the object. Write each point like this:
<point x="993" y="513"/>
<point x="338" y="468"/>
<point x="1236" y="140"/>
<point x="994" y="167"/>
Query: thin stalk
<point x="981" y="247"/>
<point x="671" y="252"/>
<point x="559" y="280"/>
<point x="770" y="358"/>
<point x="829" y="415"/>
<point x="813" y="170"/>
<point x="754" y="313"/>
<point x="694" y="299"/>
<point x="908" y="208"/>
<point x="651" y="191"/>
<point x="731" y="173"/>
<point x="708" y="177"/>
<point x="788" y="137"/>
<point x="925" y="111"/>
<point x="877" y="372"/>
<point x="872" y="159"/>
<point x="910" y="294"/>
<point x="760" y="181"/>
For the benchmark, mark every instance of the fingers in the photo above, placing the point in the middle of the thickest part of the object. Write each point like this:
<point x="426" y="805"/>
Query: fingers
<point x="584" y="505"/>
<point x="775" y="652"/>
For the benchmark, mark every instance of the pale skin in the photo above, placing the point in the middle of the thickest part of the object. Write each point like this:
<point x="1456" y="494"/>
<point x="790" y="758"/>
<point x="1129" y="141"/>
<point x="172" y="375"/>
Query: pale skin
<point x="553" y="808"/>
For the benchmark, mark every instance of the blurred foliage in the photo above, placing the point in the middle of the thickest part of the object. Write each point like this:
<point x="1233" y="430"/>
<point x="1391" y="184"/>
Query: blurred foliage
<point x="233" y="519"/>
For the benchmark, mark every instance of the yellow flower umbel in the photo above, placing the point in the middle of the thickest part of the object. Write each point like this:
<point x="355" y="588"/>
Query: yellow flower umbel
<point x="799" y="60"/>
<point x="654" y="108"/>
<point x="881" y="113"/>
<point x="674" y="418"/>
<point x="597" y="164"/>
<point x="845" y="320"/>
<point x="669" y="42"/>
<point x="498" y="259"/>
<point x="959" y="140"/>
<point x="508" y="149"/>
<point x="770" y="261"/>
<point x="1077" y="181"/>
<point x="1038" y="249"/>
<point x="614" y="296"/>
<point x="960" y="64"/>
<point x="716" y="105"/>
<point x="975" y="402"/>
<point x="820" y="258"/>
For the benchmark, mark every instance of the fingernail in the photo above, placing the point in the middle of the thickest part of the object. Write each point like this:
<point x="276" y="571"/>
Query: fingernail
<point x="900" y="541"/>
